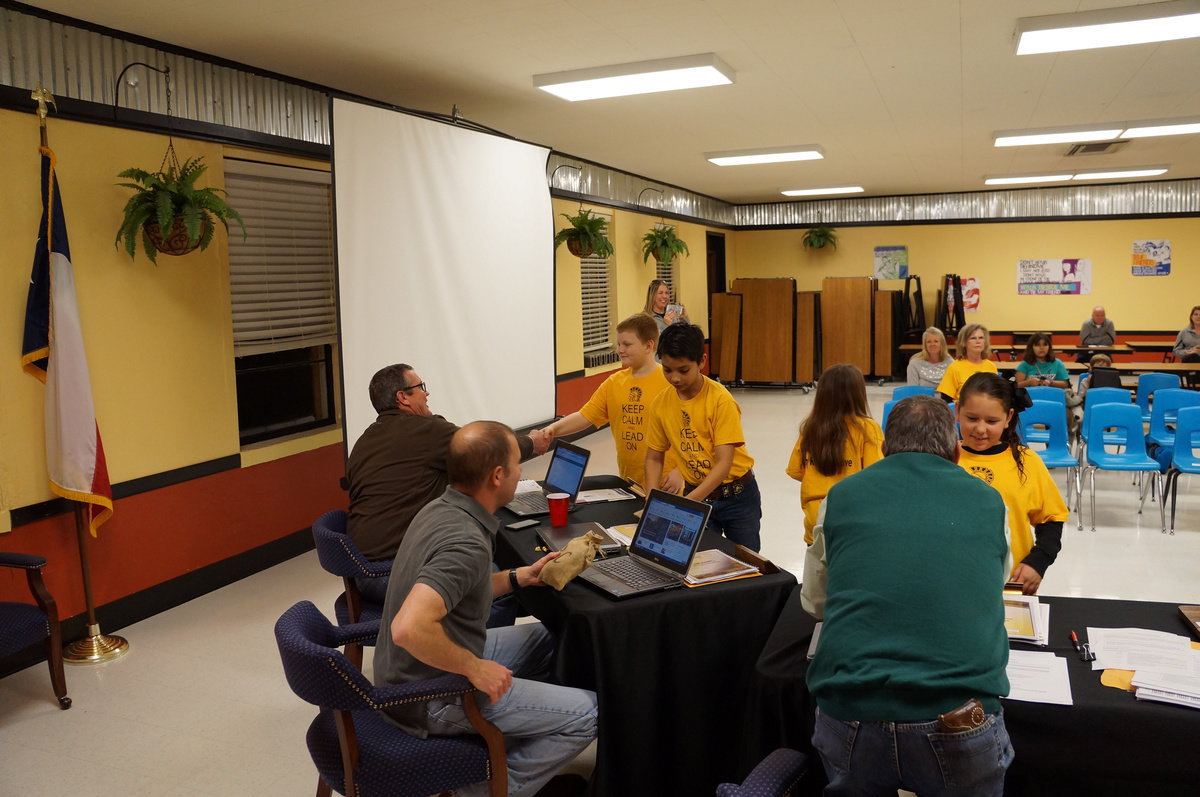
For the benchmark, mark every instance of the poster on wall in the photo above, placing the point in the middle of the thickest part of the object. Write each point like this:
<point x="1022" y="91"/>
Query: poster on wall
<point x="891" y="262"/>
<point x="1151" y="258"/>
<point x="1053" y="276"/>
<point x="970" y="289"/>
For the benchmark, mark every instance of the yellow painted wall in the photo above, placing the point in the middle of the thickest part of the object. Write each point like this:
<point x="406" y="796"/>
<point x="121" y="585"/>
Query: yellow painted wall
<point x="990" y="252"/>
<point x="631" y="274"/>
<point x="159" y="338"/>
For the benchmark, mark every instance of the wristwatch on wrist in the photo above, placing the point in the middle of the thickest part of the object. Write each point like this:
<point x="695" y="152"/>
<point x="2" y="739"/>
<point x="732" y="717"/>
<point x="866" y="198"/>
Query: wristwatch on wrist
<point x="512" y="579"/>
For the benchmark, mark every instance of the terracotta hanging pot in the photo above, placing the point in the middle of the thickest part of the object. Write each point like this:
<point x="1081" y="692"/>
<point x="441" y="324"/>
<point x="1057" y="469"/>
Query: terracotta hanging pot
<point x="574" y="247"/>
<point x="176" y="241"/>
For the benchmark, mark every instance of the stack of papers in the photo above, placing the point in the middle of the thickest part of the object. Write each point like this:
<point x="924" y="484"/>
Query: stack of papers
<point x="601" y="496"/>
<point x="1038" y="678"/>
<point x="713" y="565"/>
<point x="1026" y="619"/>
<point x="1141" y="649"/>
<point x="1179" y="690"/>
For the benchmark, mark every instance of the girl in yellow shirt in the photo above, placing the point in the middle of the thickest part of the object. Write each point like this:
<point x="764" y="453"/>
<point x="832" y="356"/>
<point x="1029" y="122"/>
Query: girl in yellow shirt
<point x="992" y="451"/>
<point x="838" y="438"/>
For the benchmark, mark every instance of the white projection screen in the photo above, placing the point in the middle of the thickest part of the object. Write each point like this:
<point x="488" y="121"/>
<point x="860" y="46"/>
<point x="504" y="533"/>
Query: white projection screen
<point x="445" y="262"/>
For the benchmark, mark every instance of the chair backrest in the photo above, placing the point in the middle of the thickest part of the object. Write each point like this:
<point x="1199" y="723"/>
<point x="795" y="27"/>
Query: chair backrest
<point x="887" y="410"/>
<point x="1049" y="414"/>
<point x="1125" y="418"/>
<point x="1167" y="403"/>
<point x="335" y="550"/>
<point x="1187" y="438"/>
<point x="318" y="672"/>
<point x="1104" y="377"/>
<point x="1047" y="393"/>
<point x="1147" y="384"/>
<point x="1106" y="395"/>
<point x="904" y="391"/>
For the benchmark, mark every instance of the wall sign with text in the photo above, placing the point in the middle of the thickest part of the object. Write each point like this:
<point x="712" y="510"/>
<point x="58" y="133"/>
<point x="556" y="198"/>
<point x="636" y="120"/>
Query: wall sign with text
<point x="1054" y="277"/>
<point x="1151" y="258"/>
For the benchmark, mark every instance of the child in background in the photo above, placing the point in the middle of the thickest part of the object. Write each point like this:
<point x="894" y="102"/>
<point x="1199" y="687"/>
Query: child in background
<point x="1101" y="360"/>
<point x="992" y="451"/>
<point x="701" y="425"/>
<point x="623" y="401"/>
<point x="838" y="438"/>
<point x="1039" y="366"/>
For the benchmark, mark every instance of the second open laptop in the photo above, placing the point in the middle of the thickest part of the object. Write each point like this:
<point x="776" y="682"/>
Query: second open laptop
<point x="565" y="475"/>
<point x="667" y="538"/>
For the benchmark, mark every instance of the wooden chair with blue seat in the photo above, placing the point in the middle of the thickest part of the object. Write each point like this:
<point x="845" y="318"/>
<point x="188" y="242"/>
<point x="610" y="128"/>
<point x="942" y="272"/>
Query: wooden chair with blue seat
<point x="23" y="625"/>
<point x="1125" y="421"/>
<point x="356" y="750"/>
<point x="1048" y="419"/>
<point x="340" y="556"/>
<point x="1184" y="459"/>
<point x="774" y="776"/>
<point x="1148" y="385"/>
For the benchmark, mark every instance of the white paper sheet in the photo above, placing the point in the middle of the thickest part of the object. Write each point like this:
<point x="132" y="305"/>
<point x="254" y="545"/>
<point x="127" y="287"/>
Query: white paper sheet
<point x="1037" y="677"/>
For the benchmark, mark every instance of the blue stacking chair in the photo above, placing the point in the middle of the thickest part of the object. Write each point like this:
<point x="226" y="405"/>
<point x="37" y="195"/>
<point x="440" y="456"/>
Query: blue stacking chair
<point x="1167" y="403"/>
<point x="904" y="391"/>
<point x="774" y="776"/>
<point x="355" y="749"/>
<point x="1147" y="385"/>
<point x="1187" y="440"/>
<point x="1094" y="398"/>
<point x="1057" y="454"/>
<point x="1043" y="393"/>
<point x="1127" y="420"/>
<point x="887" y="410"/>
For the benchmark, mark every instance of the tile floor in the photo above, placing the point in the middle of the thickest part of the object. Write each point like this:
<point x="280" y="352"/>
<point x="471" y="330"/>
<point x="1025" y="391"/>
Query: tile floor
<point x="200" y="706"/>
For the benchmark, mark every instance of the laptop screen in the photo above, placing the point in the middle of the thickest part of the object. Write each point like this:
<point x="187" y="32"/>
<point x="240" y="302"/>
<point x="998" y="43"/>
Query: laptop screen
<point x="670" y="530"/>
<point x="566" y="469"/>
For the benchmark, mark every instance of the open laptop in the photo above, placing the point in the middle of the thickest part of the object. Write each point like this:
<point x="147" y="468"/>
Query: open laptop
<point x="565" y="475"/>
<point x="667" y="538"/>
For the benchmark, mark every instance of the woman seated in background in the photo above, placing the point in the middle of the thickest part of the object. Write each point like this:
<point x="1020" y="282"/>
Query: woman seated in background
<point x="1039" y="366"/>
<point x="974" y="349"/>
<point x="928" y="366"/>
<point x="658" y="300"/>
<point x="1187" y="342"/>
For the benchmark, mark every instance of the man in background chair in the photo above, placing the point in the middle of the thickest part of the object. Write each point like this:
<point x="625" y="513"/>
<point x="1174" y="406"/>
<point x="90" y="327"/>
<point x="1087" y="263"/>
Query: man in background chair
<point x="910" y="665"/>
<point x="1096" y="331"/>
<point x="398" y="465"/>
<point x="433" y="621"/>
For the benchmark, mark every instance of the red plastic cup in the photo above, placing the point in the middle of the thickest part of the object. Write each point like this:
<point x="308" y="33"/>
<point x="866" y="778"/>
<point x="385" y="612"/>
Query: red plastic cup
<point x="558" y="508"/>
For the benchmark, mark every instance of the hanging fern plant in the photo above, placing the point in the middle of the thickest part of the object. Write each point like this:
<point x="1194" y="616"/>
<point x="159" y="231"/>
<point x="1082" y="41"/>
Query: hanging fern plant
<point x="819" y="237"/>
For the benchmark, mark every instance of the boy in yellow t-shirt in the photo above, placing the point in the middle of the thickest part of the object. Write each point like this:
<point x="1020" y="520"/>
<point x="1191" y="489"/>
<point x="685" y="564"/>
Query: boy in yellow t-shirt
<point x="623" y="400"/>
<point x="701" y="425"/>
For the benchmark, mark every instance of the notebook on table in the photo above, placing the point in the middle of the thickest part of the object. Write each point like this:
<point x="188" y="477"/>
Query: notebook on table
<point x="565" y="475"/>
<point x="663" y="546"/>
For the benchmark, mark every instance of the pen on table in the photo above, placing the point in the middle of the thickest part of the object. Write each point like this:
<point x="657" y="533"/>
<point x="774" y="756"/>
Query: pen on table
<point x="1075" y="642"/>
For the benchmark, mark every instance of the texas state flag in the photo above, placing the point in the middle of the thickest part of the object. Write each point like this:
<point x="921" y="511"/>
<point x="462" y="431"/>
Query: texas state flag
<point x="53" y="352"/>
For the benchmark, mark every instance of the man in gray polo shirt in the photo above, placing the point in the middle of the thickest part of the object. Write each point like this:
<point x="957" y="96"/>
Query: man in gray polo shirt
<point x="438" y="601"/>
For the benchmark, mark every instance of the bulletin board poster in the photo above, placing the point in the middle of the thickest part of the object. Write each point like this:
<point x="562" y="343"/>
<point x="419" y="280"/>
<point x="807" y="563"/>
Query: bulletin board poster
<point x="1151" y="258"/>
<point x="970" y="289"/>
<point x="1054" y="277"/>
<point x="891" y="262"/>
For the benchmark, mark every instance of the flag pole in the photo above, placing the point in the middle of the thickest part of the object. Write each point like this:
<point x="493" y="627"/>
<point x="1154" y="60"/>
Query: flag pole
<point x="95" y="647"/>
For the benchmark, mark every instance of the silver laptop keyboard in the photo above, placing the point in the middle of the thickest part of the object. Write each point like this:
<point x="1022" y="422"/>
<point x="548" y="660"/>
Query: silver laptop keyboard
<point x="634" y="573"/>
<point x="530" y="502"/>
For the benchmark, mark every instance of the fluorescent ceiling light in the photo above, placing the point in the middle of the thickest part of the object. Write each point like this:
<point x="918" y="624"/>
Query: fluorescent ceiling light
<point x="1056" y="135"/>
<point x="844" y="189"/>
<point x="1162" y="127"/>
<point x="1026" y="178"/>
<point x="643" y="77"/>
<point x="743" y="157"/>
<point x="1119" y="174"/>
<point x="1109" y="27"/>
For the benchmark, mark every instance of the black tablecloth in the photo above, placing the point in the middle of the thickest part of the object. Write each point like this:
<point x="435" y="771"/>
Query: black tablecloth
<point x="674" y="671"/>
<point x="1108" y="743"/>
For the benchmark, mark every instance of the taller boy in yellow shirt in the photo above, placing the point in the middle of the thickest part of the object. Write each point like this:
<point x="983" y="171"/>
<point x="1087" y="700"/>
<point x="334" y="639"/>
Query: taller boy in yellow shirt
<point x="701" y="425"/>
<point x="622" y="401"/>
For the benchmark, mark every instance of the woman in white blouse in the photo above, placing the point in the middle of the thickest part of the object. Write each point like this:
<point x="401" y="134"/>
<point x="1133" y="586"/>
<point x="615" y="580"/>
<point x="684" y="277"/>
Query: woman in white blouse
<point x="929" y="364"/>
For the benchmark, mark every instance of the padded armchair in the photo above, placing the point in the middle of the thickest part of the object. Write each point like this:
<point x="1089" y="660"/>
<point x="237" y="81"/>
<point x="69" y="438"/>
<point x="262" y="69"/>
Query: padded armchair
<point x="23" y="625"/>
<point x="358" y="752"/>
<point x="775" y="776"/>
<point x="340" y="556"/>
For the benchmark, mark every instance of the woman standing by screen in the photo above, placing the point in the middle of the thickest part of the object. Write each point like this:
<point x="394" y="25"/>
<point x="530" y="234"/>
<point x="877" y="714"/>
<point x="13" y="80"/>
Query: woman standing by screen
<point x="928" y="366"/>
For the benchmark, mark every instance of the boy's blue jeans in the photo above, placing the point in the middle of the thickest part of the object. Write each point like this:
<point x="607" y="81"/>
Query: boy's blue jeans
<point x="739" y="517"/>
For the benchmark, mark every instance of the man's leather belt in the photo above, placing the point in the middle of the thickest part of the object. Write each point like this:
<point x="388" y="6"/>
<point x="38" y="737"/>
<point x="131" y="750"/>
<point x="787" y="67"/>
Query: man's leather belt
<point x="728" y="489"/>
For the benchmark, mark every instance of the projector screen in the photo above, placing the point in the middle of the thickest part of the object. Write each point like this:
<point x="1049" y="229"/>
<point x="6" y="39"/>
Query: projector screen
<point x="445" y="262"/>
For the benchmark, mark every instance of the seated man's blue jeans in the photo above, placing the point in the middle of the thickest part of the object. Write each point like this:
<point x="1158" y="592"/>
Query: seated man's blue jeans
<point x="877" y="758"/>
<point x="545" y="726"/>
<point x="739" y="517"/>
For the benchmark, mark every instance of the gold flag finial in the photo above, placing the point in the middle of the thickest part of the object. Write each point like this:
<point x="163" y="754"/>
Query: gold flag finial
<point x="43" y="96"/>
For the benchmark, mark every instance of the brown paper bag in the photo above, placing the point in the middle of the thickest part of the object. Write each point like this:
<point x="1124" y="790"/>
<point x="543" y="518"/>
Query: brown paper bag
<point x="574" y="559"/>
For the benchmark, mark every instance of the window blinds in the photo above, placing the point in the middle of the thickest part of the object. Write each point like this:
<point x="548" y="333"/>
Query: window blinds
<point x="281" y="275"/>
<point x="594" y="280"/>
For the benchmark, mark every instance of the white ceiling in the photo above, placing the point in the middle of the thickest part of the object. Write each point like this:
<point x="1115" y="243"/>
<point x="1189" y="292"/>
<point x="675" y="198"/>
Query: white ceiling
<point x="902" y="96"/>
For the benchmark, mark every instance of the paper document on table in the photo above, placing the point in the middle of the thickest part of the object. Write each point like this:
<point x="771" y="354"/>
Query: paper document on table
<point x="1036" y="677"/>
<point x="1026" y="619"/>
<point x="623" y="533"/>
<point x="601" y="496"/>
<point x="528" y="486"/>
<point x="713" y="565"/>
<point x="1142" y="649"/>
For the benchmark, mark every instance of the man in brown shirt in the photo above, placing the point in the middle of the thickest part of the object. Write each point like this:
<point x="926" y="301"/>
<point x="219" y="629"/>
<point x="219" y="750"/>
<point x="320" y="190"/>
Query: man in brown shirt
<point x="398" y="465"/>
